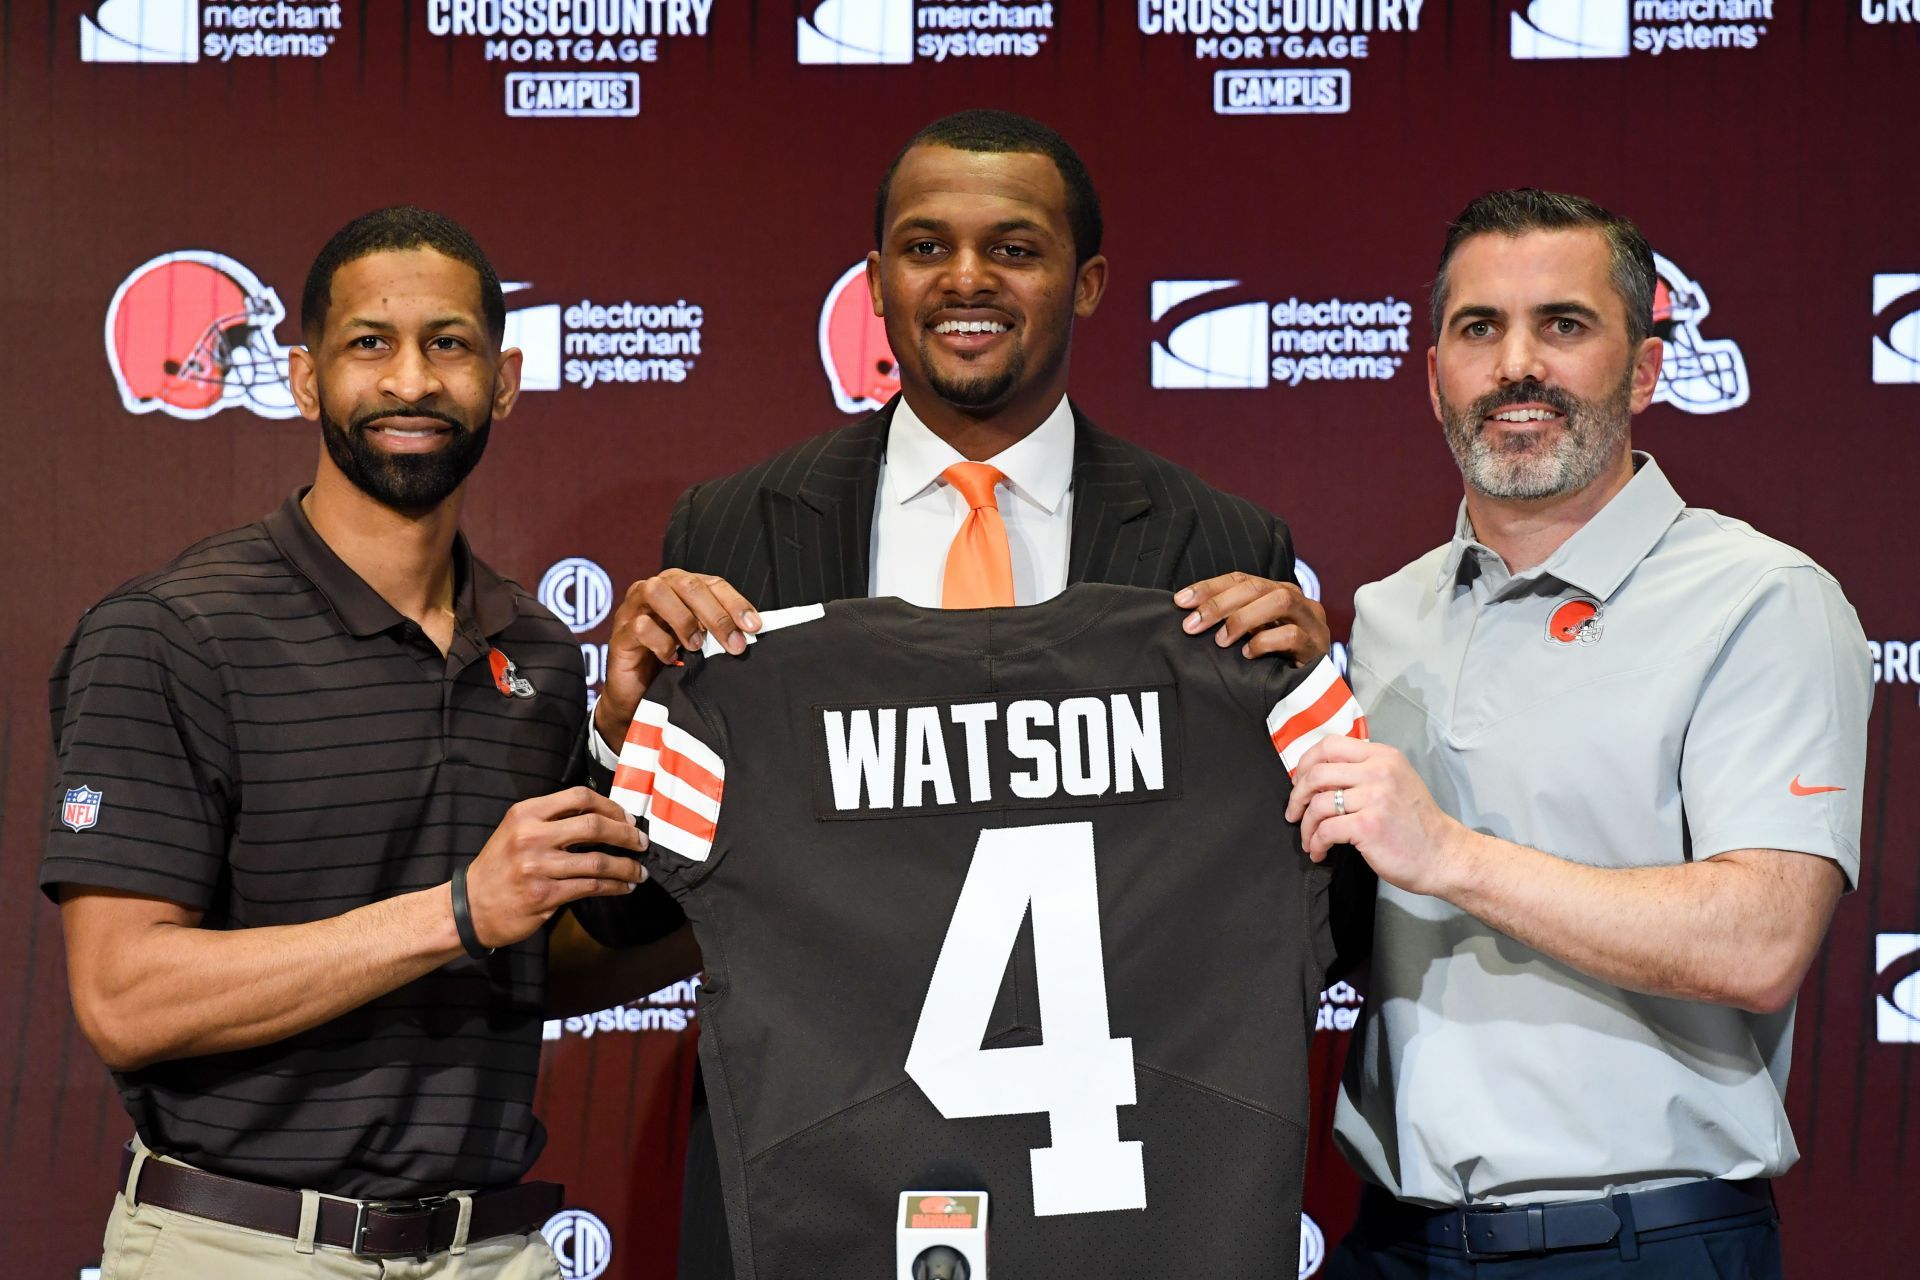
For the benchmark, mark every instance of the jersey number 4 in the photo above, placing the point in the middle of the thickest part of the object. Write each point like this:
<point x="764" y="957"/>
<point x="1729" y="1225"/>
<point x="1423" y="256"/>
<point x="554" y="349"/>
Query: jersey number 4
<point x="1080" y="1076"/>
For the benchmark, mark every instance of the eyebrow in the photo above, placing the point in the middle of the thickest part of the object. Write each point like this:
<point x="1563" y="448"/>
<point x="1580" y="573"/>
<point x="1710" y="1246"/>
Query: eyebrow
<point x="432" y="326"/>
<point x="999" y="228"/>
<point x="1566" y="308"/>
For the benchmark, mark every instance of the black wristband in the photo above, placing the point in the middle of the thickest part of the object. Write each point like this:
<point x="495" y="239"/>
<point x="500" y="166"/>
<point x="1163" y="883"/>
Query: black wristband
<point x="463" y="916"/>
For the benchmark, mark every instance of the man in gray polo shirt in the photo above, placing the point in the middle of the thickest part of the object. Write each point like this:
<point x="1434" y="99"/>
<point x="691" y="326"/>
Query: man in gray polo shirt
<point x="1612" y="793"/>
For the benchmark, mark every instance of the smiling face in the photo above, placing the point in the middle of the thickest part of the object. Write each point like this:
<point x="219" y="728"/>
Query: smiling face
<point x="977" y="283"/>
<point x="1532" y="374"/>
<point x="403" y="377"/>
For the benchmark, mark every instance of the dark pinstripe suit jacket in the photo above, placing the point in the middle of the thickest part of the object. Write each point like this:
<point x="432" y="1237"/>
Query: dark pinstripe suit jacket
<point x="798" y="527"/>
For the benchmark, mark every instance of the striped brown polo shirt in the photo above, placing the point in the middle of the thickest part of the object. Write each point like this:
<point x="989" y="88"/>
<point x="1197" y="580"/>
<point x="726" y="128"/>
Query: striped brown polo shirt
<point x="254" y="733"/>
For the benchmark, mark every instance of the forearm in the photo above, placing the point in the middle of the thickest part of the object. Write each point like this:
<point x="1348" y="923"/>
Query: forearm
<point x="583" y="976"/>
<point x="182" y="991"/>
<point x="1716" y="931"/>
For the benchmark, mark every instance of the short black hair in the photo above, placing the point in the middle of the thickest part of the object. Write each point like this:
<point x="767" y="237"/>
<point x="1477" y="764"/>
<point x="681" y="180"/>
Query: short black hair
<point x="399" y="227"/>
<point x="981" y="129"/>
<point x="1522" y="209"/>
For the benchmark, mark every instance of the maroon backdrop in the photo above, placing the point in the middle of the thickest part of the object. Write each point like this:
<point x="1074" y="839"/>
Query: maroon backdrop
<point x="1312" y="155"/>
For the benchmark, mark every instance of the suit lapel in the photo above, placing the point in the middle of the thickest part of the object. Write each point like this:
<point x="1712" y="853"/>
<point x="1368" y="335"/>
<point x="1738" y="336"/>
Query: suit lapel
<point x="1120" y="535"/>
<point x="820" y="516"/>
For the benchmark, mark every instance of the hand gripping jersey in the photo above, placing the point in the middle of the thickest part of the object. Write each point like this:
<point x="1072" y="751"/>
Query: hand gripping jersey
<point x="1000" y="899"/>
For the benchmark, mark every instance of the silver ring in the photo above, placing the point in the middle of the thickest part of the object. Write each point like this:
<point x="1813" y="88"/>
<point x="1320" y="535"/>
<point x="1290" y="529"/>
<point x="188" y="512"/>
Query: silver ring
<point x="1339" y="800"/>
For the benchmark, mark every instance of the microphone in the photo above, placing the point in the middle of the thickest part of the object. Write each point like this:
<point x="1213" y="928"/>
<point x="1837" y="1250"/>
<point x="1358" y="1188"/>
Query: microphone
<point x="942" y="1235"/>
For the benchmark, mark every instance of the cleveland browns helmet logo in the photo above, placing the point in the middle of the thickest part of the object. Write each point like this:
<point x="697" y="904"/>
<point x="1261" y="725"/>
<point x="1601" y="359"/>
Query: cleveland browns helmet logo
<point x="191" y="333"/>
<point x="853" y="346"/>
<point x="1575" y="621"/>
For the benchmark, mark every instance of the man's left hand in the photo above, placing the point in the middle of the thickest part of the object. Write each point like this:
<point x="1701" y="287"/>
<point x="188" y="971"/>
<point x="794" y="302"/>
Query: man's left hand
<point x="1366" y="794"/>
<point x="1260" y="615"/>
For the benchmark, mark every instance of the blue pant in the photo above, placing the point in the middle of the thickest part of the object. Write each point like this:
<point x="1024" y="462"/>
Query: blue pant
<point x="1732" y="1249"/>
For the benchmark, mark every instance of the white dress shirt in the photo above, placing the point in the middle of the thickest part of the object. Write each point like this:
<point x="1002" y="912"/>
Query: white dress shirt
<point x="916" y="513"/>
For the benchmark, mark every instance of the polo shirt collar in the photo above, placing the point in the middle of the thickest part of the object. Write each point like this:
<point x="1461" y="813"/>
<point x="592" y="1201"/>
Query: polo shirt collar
<point x="480" y="595"/>
<point x="1600" y="555"/>
<point x="1038" y="467"/>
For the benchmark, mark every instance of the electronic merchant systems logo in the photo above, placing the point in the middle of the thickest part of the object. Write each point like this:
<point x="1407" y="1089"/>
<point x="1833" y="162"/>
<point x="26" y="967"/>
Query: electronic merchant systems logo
<point x="896" y="32"/>
<point x="1313" y="1246"/>
<point x="601" y="344"/>
<point x="1896" y="988"/>
<point x="1615" y="28"/>
<point x="1896" y="346"/>
<point x="188" y="30"/>
<point x="581" y="1244"/>
<point x="190" y="333"/>
<point x="1211" y="338"/>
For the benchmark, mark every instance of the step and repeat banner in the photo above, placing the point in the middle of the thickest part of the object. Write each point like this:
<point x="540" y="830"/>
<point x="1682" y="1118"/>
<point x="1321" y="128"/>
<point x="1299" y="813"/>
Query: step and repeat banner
<point x="679" y="193"/>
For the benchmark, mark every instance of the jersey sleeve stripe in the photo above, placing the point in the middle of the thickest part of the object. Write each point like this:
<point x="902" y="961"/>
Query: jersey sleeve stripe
<point x="690" y="756"/>
<point x="703" y="780"/>
<point x="672" y="779"/>
<point x="1297" y="723"/>
<point x="668" y="786"/>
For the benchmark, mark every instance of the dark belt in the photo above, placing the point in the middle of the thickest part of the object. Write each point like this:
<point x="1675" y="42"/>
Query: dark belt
<point x="1497" y="1229"/>
<point x="372" y="1228"/>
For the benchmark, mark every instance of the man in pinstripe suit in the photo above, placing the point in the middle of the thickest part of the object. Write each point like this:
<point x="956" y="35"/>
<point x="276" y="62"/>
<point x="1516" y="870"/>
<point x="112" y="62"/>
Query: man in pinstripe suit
<point x="988" y="233"/>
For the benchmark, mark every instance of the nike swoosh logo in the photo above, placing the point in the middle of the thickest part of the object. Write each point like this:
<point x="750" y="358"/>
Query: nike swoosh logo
<point x="1799" y="790"/>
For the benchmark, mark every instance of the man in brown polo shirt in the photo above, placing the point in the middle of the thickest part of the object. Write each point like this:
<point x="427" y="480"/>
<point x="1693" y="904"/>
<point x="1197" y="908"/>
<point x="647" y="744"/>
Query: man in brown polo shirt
<point x="312" y="821"/>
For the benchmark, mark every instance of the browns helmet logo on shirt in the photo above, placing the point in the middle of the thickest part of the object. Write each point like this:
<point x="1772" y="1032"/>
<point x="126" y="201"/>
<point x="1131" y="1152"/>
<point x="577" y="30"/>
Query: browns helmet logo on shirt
<point x="507" y="677"/>
<point x="1575" y="621"/>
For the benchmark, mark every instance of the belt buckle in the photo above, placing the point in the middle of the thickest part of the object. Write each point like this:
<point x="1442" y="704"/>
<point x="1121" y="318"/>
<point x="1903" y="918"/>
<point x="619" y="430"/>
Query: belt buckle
<point x="1536" y="1219"/>
<point x="422" y="1207"/>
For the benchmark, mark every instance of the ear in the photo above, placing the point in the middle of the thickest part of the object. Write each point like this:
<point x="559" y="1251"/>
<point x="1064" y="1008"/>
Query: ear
<point x="1433" y="381"/>
<point x="1646" y="372"/>
<point x="303" y="379"/>
<point x="873" y="283"/>
<point x="506" y="382"/>
<point x="1089" y="285"/>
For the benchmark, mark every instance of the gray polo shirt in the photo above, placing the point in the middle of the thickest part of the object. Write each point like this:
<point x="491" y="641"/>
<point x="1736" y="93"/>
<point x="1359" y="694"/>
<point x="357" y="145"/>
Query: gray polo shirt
<point x="1669" y="685"/>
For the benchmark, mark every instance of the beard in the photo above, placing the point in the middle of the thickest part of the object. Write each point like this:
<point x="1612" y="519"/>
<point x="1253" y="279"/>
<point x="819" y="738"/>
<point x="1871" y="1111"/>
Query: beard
<point x="406" y="482"/>
<point x="1591" y="436"/>
<point x="974" y="389"/>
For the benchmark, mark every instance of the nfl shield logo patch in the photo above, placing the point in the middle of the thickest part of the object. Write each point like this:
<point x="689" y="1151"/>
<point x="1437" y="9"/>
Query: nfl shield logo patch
<point x="81" y="809"/>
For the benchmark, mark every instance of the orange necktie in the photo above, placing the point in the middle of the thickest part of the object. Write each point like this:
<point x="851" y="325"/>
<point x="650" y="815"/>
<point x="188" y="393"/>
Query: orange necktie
<point x="979" y="563"/>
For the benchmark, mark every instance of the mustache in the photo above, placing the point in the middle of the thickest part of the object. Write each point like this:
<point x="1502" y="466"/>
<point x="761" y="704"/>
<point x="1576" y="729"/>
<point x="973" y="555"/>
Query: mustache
<point x="362" y="421"/>
<point x="1524" y="392"/>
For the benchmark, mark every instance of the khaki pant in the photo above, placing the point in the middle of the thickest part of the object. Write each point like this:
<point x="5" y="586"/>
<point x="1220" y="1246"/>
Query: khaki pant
<point x="146" y="1242"/>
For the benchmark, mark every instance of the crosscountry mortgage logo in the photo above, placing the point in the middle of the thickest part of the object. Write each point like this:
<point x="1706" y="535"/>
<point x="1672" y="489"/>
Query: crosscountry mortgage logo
<point x="1256" y="343"/>
<point x="581" y="1244"/>
<point x="573" y="94"/>
<point x="1896" y="993"/>
<point x="1313" y="1246"/>
<point x="191" y="333"/>
<point x="1549" y="29"/>
<point x="578" y="592"/>
<point x="894" y="32"/>
<point x="1287" y="91"/>
<point x="1896" y="348"/>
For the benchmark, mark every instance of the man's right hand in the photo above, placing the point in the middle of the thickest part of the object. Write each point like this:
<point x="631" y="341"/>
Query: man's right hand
<point x="661" y="615"/>
<point x="529" y="867"/>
